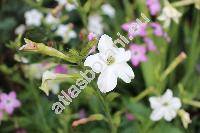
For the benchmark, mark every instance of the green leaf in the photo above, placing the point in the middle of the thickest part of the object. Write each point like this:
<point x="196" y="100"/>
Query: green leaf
<point x="111" y="96"/>
<point x="86" y="49"/>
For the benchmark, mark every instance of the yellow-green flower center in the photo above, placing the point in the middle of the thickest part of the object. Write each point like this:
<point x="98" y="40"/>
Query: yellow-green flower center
<point x="110" y="60"/>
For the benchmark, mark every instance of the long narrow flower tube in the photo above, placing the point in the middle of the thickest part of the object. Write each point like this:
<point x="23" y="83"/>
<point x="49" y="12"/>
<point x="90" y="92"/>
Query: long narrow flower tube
<point x="181" y="57"/>
<point x="31" y="46"/>
<point x="50" y="78"/>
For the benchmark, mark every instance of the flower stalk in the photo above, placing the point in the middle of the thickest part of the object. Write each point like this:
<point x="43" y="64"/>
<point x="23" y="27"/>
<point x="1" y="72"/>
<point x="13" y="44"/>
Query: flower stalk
<point x="107" y="111"/>
<point x="183" y="3"/>
<point x="144" y="93"/>
<point x="192" y="102"/>
<point x="180" y="58"/>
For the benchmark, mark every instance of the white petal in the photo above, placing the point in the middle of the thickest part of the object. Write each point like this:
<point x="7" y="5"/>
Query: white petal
<point x="122" y="55"/>
<point x="175" y="103"/>
<point x="105" y="43"/>
<point x="155" y="102"/>
<point x="107" y="80"/>
<point x="169" y="114"/>
<point x="125" y="72"/>
<point x="167" y="96"/>
<point x="95" y="62"/>
<point x="157" y="114"/>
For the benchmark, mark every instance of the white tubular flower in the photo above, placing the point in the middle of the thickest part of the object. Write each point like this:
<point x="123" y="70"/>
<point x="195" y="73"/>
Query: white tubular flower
<point x="111" y="62"/>
<point x="107" y="9"/>
<point x="47" y="79"/>
<point x="185" y="118"/>
<point x="169" y="13"/>
<point x="33" y="17"/>
<point x="61" y="2"/>
<point x="164" y="106"/>
<point x="51" y="20"/>
<point x="66" y="32"/>
<point x="71" y="6"/>
<point x="197" y="4"/>
<point x="20" y="29"/>
<point x="95" y="24"/>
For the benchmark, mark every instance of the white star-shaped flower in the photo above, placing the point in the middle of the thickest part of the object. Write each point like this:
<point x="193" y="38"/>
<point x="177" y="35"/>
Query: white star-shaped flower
<point x="165" y="106"/>
<point x="66" y="32"/>
<point x="111" y="63"/>
<point x="95" y="24"/>
<point x="33" y="17"/>
<point x="108" y="10"/>
<point x="169" y="13"/>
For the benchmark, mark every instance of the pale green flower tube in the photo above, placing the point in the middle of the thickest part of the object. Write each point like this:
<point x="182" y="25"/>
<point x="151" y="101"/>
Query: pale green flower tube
<point x="31" y="46"/>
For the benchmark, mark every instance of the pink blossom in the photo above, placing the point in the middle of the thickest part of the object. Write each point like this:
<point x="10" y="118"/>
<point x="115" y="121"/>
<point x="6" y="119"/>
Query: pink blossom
<point x="92" y="50"/>
<point x="157" y="29"/>
<point x="135" y="29"/>
<point x="60" y="69"/>
<point x="138" y="54"/>
<point x="91" y="36"/>
<point x="129" y="116"/>
<point x="9" y="102"/>
<point x="154" y="6"/>
<point x="150" y="44"/>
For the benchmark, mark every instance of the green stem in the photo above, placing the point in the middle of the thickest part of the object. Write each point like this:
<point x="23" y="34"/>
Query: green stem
<point x="192" y="102"/>
<point x="144" y="93"/>
<point x="107" y="111"/>
<point x="173" y="65"/>
<point x="39" y="107"/>
<point x="183" y="3"/>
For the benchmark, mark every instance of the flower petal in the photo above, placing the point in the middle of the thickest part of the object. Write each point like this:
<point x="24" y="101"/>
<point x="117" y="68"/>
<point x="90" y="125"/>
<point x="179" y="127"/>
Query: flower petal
<point x="169" y="114"/>
<point x="125" y="72"/>
<point x="122" y="55"/>
<point x="155" y="102"/>
<point x="107" y="80"/>
<point x="167" y="96"/>
<point x="175" y="103"/>
<point x="157" y="114"/>
<point x="95" y="62"/>
<point x="105" y="43"/>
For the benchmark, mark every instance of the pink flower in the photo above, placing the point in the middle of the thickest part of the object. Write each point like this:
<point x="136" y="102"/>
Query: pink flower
<point x="154" y="6"/>
<point x="60" y="69"/>
<point x="157" y="29"/>
<point x="9" y="102"/>
<point x="135" y="29"/>
<point x="138" y="54"/>
<point x="150" y="44"/>
<point x="129" y="116"/>
<point x="91" y="36"/>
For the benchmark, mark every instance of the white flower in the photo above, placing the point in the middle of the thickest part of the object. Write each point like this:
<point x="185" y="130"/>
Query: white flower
<point x="47" y="82"/>
<point x="71" y="6"/>
<point x="95" y="24"/>
<point x="169" y="13"/>
<point x="20" y="29"/>
<point x="197" y="4"/>
<point x="33" y="17"/>
<point x="61" y="2"/>
<point x="165" y="106"/>
<point x="20" y="58"/>
<point x="66" y="32"/>
<point x="110" y="62"/>
<point x="108" y="10"/>
<point x="185" y="117"/>
<point x="50" y="19"/>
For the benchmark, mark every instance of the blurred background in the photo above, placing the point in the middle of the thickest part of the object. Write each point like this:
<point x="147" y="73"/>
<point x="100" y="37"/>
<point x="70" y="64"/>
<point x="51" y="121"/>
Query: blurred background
<point x="171" y="60"/>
